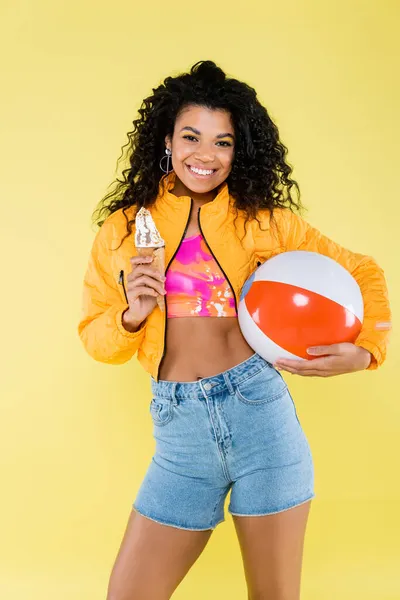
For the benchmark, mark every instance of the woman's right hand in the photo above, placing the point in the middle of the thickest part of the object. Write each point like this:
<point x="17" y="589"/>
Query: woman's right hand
<point x="145" y="283"/>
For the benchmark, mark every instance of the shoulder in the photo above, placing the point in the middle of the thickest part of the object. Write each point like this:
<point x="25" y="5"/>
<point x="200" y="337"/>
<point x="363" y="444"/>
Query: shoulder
<point x="118" y="220"/>
<point x="280" y="224"/>
<point x="284" y="218"/>
<point x="279" y="214"/>
<point x="120" y="217"/>
<point x="279" y="218"/>
<point x="115" y="227"/>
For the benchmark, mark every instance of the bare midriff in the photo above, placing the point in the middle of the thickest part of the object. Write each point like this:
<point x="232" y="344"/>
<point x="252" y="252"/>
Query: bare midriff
<point x="198" y="347"/>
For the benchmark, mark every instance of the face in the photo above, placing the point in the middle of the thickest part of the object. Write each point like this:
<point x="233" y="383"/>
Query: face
<point x="203" y="139"/>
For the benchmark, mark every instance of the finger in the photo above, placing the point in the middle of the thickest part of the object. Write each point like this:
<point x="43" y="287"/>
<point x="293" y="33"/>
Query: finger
<point x="142" y="269"/>
<point x="318" y="350"/>
<point x="305" y="372"/>
<point x="300" y="364"/>
<point x="145" y="280"/>
<point x="290" y="362"/>
<point x="143" y="291"/>
<point x="139" y="260"/>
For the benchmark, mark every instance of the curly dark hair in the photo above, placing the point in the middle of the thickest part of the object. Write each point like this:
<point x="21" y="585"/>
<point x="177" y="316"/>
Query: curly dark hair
<point x="259" y="177"/>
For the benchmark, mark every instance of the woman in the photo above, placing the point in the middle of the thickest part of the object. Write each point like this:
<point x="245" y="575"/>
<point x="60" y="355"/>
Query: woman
<point x="223" y="417"/>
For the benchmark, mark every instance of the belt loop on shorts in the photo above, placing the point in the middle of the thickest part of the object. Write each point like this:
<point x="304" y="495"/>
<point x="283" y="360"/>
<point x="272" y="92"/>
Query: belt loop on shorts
<point x="173" y="395"/>
<point x="228" y="383"/>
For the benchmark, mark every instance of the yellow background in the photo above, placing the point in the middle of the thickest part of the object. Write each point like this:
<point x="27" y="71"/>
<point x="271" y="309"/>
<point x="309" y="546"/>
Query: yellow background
<point x="75" y="437"/>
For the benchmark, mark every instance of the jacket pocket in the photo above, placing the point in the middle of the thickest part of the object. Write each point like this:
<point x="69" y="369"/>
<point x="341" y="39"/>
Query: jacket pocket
<point x="121" y="282"/>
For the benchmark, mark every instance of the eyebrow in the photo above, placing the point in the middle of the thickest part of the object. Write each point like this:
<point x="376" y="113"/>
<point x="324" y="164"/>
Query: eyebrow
<point x="197" y="132"/>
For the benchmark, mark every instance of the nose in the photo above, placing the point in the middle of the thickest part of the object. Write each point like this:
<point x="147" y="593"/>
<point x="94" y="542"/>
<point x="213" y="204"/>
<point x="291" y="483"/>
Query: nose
<point x="204" y="155"/>
<point x="201" y="159"/>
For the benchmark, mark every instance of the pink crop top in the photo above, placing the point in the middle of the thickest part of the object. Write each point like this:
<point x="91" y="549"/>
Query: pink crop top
<point x="195" y="284"/>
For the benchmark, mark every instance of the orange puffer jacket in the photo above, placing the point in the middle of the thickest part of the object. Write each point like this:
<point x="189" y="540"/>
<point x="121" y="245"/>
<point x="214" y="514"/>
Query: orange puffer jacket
<point x="104" y="285"/>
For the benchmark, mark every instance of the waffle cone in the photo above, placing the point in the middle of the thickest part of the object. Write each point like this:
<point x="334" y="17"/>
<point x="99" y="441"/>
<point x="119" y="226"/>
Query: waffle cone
<point x="158" y="255"/>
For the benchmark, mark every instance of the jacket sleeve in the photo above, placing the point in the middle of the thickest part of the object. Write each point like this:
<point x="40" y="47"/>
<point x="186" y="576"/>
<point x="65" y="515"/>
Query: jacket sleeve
<point x="100" y="328"/>
<point x="297" y="234"/>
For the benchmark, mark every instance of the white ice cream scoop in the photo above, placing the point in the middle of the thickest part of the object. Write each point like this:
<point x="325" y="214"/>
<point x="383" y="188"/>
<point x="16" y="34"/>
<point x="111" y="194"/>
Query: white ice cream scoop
<point x="147" y="234"/>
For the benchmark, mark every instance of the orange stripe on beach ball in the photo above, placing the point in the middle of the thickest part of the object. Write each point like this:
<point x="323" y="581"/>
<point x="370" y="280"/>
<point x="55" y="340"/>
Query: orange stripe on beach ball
<point x="296" y="318"/>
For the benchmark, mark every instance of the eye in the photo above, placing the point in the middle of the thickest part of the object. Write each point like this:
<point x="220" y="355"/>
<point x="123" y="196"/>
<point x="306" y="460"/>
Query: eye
<point x="193" y="138"/>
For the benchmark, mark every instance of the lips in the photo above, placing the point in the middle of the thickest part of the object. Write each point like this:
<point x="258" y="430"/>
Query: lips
<point x="200" y="176"/>
<point x="201" y="168"/>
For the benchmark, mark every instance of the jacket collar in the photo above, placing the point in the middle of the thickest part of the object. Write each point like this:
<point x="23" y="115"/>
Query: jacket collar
<point x="220" y="203"/>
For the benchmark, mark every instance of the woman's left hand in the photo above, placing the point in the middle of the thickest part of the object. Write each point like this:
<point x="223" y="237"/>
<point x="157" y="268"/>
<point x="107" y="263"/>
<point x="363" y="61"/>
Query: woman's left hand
<point x="337" y="360"/>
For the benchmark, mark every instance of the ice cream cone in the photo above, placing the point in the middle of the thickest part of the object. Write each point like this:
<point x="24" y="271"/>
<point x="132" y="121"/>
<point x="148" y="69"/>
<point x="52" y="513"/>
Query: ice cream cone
<point x="149" y="242"/>
<point x="158" y="255"/>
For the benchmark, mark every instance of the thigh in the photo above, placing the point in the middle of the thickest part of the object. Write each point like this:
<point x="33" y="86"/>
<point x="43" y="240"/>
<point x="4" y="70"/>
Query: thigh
<point x="153" y="559"/>
<point x="272" y="552"/>
<point x="271" y="462"/>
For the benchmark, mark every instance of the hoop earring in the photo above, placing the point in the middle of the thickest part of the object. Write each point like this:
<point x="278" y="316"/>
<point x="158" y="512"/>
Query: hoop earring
<point x="168" y="153"/>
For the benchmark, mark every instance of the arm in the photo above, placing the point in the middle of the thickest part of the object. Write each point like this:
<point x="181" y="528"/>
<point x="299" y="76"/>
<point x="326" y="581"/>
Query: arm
<point x="296" y="234"/>
<point x="101" y="329"/>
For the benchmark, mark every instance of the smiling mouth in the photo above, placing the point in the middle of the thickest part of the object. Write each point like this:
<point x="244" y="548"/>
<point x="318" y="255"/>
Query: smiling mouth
<point x="201" y="174"/>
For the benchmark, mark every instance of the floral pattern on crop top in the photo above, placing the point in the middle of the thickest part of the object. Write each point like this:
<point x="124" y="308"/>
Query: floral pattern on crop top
<point x="195" y="284"/>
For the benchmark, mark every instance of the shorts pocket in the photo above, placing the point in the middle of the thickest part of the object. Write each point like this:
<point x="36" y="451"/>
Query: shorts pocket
<point x="161" y="411"/>
<point x="263" y="387"/>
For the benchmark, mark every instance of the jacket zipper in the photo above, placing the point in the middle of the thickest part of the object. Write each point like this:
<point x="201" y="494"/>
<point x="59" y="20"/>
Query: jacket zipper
<point x="121" y="281"/>
<point x="165" y="296"/>
<point x="215" y="258"/>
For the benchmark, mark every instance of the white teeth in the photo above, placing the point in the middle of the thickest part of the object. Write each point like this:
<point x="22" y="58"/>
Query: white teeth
<point x="201" y="171"/>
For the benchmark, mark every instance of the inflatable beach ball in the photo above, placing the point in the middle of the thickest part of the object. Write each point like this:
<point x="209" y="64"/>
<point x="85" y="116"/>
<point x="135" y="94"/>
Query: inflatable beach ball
<point x="296" y="300"/>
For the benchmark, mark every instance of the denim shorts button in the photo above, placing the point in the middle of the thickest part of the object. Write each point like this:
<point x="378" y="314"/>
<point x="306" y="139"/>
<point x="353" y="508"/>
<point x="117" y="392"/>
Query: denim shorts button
<point x="207" y="386"/>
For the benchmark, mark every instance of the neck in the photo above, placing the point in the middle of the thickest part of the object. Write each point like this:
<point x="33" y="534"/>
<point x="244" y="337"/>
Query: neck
<point x="180" y="189"/>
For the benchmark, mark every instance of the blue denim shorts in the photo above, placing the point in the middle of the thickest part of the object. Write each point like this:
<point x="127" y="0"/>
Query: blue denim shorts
<point x="237" y="431"/>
